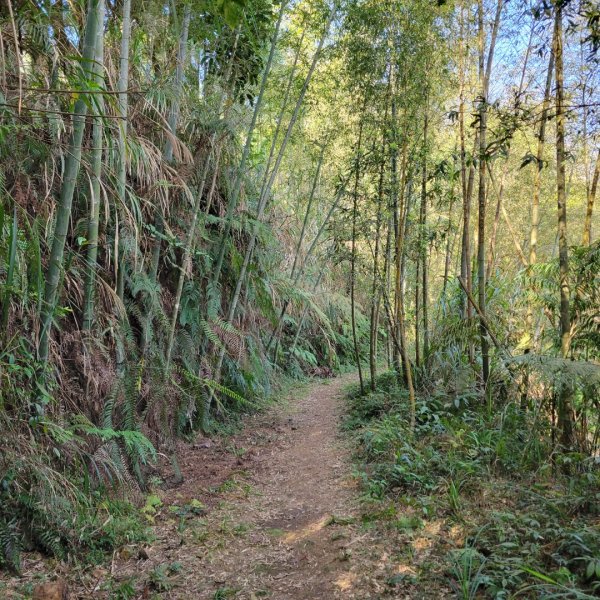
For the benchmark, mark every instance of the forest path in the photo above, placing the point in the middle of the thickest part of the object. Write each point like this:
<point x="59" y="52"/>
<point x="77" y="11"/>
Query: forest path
<point x="283" y="524"/>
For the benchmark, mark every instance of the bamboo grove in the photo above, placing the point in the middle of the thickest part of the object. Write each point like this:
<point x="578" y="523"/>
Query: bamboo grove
<point x="200" y="197"/>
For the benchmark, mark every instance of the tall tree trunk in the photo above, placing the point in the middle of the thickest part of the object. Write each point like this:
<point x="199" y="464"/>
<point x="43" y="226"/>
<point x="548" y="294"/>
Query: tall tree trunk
<point x="565" y="410"/>
<point x="122" y="108"/>
<point x="418" y="312"/>
<point x="353" y="259"/>
<point x="375" y="298"/>
<point x="400" y="200"/>
<point x="535" y="211"/>
<point x="465" y="272"/>
<point x="424" y="244"/>
<point x="449" y="237"/>
<point x="123" y="122"/>
<point x="395" y="225"/>
<point x="591" y="197"/>
<point x="484" y="76"/>
<point x="71" y="171"/>
<point x="481" y="283"/>
<point x="96" y="162"/>
<point x="387" y="288"/>
<point x="403" y="210"/>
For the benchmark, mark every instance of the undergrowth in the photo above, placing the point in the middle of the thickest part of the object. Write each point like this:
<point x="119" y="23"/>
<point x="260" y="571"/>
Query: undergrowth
<point x="57" y="498"/>
<point x="67" y="486"/>
<point x="526" y="528"/>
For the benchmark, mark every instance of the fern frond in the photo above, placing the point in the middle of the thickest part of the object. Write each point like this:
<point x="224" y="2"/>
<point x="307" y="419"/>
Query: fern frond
<point x="10" y="545"/>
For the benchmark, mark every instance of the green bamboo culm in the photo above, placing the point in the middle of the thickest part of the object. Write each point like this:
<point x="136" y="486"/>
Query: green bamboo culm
<point x="72" y="166"/>
<point x="96" y="160"/>
<point x="12" y="259"/>
<point x="121" y="166"/>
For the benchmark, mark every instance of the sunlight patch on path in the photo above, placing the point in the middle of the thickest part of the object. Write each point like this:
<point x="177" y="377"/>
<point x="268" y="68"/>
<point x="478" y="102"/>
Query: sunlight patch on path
<point x="345" y="581"/>
<point x="310" y="529"/>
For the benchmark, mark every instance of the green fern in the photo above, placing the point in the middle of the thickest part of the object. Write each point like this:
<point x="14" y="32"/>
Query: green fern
<point x="50" y="540"/>
<point x="217" y="387"/>
<point x="10" y="545"/>
<point x="137" y="445"/>
<point x="210" y="334"/>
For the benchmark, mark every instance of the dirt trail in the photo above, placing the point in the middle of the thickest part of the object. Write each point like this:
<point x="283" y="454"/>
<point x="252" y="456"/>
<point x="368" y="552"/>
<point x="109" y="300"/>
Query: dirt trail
<point x="281" y="528"/>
